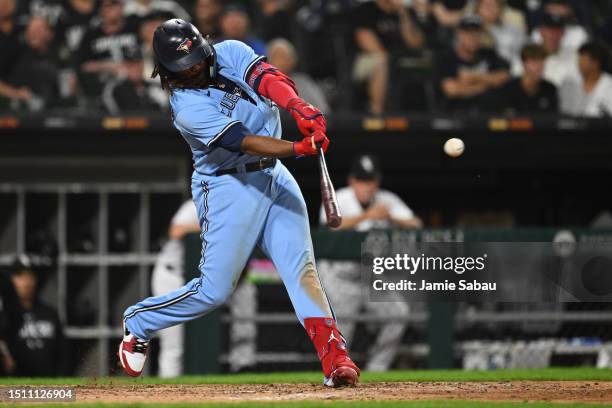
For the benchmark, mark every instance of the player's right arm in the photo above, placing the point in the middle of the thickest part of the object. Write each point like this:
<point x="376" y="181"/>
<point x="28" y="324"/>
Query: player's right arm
<point x="206" y="126"/>
<point x="270" y="147"/>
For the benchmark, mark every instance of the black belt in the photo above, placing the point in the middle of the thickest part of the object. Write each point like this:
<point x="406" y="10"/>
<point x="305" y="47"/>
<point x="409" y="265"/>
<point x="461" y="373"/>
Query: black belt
<point x="249" y="167"/>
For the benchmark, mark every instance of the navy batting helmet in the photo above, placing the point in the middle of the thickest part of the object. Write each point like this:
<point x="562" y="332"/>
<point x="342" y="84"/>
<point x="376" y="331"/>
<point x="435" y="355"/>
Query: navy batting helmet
<point x="178" y="46"/>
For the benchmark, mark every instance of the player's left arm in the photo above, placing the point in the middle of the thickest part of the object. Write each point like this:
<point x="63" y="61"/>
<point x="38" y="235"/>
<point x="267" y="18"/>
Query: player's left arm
<point x="269" y="81"/>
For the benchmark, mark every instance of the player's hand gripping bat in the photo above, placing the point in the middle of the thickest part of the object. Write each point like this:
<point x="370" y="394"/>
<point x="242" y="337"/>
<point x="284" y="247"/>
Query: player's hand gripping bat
<point x="328" y="194"/>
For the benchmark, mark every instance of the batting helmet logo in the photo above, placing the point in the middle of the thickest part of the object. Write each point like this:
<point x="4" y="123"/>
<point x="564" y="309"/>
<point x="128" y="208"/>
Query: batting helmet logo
<point x="185" y="45"/>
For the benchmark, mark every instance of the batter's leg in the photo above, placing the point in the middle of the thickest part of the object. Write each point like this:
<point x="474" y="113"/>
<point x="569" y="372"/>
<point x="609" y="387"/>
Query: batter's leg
<point x="342" y="283"/>
<point x="286" y="240"/>
<point x="232" y="213"/>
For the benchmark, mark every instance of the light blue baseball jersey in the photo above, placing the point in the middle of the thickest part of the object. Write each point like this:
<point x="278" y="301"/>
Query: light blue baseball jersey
<point x="204" y="116"/>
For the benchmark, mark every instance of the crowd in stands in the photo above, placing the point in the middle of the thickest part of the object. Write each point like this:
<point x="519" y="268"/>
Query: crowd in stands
<point x="377" y="56"/>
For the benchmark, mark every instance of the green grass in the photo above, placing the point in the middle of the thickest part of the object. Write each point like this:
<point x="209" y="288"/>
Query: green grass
<point x="551" y="374"/>
<point x="333" y="404"/>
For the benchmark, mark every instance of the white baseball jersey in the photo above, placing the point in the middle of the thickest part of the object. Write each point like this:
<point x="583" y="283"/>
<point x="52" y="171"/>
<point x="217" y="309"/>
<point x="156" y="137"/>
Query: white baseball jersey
<point x="172" y="251"/>
<point x="350" y="207"/>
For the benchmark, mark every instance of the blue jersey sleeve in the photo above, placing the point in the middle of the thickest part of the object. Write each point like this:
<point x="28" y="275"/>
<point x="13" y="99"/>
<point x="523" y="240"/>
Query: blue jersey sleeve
<point x="237" y="55"/>
<point x="210" y="127"/>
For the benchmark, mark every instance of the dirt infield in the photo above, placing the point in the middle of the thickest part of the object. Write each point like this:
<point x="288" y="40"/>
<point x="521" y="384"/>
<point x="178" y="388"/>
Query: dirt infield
<point x="518" y="391"/>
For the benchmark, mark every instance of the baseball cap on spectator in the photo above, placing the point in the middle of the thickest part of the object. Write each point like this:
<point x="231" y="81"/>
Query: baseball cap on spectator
<point x="366" y="167"/>
<point x="22" y="264"/>
<point x="470" y="22"/>
<point x="234" y="7"/>
<point x="552" y="20"/>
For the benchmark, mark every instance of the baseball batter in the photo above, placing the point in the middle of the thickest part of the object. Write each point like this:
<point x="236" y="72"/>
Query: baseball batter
<point x="224" y="102"/>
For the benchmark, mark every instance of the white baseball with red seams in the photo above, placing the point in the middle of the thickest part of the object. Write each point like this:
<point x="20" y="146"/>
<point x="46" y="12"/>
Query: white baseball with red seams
<point x="454" y="147"/>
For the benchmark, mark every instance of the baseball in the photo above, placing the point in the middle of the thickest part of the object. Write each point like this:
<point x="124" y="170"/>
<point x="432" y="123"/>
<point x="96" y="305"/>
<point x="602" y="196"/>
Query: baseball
<point x="454" y="147"/>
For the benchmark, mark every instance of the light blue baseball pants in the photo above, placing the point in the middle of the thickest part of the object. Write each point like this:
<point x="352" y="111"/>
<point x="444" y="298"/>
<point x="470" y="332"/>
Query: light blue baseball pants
<point x="237" y="212"/>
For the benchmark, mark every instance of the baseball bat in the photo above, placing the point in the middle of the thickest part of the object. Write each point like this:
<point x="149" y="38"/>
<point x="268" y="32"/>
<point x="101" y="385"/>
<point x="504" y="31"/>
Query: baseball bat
<point x="328" y="194"/>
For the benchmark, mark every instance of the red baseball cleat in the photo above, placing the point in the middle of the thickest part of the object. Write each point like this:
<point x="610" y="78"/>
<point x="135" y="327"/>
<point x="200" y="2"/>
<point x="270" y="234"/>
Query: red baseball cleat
<point x="338" y="368"/>
<point x="132" y="353"/>
<point x="345" y="375"/>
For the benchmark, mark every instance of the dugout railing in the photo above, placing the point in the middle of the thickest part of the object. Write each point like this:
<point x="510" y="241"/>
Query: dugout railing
<point x="437" y="336"/>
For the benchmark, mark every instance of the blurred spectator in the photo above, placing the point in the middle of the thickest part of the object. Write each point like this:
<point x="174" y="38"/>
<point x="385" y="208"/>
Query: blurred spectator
<point x="142" y="8"/>
<point x="505" y="37"/>
<point x="35" y="71"/>
<point x="382" y="28"/>
<point x="530" y="93"/>
<point x="235" y="25"/>
<point x="207" y="14"/>
<point x="574" y="34"/>
<point x="449" y="12"/>
<point x="147" y="28"/>
<point x="40" y="349"/>
<point x="11" y="46"/>
<point x="11" y="318"/>
<point x="561" y="62"/>
<point x="421" y="12"/>
<point x="605" y="31"/>
<point x="50" y="10"/>
<point x="282" y="55"/>
<point x="468" y="71"/>
<point x="591" y="94"/>
<point x="276" y="21"/>
<point x="73" y="23"/>
<point x="364" y="207"/>
<point x="110" y="54"/>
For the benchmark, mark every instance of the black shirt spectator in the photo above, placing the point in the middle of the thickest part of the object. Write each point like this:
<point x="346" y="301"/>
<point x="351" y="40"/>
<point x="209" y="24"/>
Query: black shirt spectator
<point x="12" y="47"/>
<point x="382" y="29"/>
<point x="108" y="50"/>
<point x="513" y="98"/>
<point x="276" y="20"/>
<point x="36" y="69"/>
<point x="73" y="23"/>
<point x="385" y="23"/>
<point x="449" y="12"/>
<point x="11" y="318"/>
<point x="468" y="71"/>
<point x="421" y="13"/>
<point x="530" y="93"/>
<point x="39" y="348"/>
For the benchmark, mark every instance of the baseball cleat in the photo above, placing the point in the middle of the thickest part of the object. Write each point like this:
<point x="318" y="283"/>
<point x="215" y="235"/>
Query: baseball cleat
<point x="338" y="368"/>
<point x="132" y="353"/>
<point x="341" y="377"/>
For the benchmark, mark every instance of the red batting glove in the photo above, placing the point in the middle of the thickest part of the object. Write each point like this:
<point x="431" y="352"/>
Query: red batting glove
<point x="308" y="145"/>
<point x="308" y="118"/>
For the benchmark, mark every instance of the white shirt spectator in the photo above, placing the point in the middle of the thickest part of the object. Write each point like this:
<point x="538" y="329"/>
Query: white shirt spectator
<point x="509" y="41"/>
<point x="172" y="251"/>
<point x="575" y="101"/>
<point x="573" y="38"/>
<point x="558" y="67"/>
<point x="561" y="66"/>
<point x="350" y="207"/>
